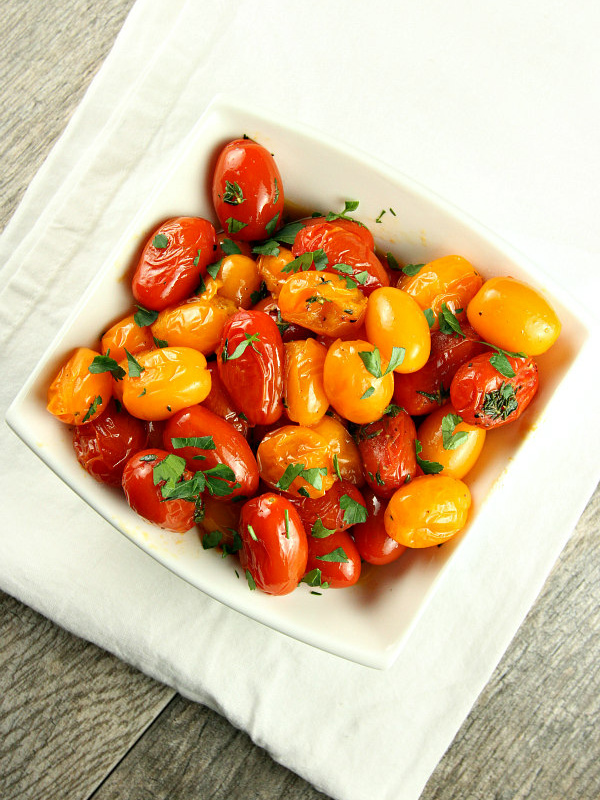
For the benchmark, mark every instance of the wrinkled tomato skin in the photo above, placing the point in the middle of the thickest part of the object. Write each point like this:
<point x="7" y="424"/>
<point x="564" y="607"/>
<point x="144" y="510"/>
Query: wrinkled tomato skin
<point x="220" y="403"/>
<point x="327" y="508"/>
<point x="146" y="499"/>
<point x="126" y="335"/>
<point x="76" y="393"/>
<point x="277" y="557"/>
<point x="254" y="380"/>
<point x="290" y="332"/>
<point x="370" y="537"/>
<point x="337" y="574"/>
<point x="347" y="224"/>
<point x="478" y="381"/>
<point x="104" y="445"/>
<point x="231" y="448"/>
<point x="448" y="352"/>
<point x="387" y="448"/>
<point x="167" y="275"/>
<point x="252" y="168"/>
<point x="342" y="246"/>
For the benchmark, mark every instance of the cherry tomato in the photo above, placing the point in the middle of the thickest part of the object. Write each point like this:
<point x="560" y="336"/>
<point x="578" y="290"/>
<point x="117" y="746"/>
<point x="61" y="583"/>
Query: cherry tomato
<point x="226" y="246"/>
<point x="427" y="511"/>
<point x="450" y="441"/>
<point x="423" y="391"/>
<point x="169" y="379"/>
<point x="394" y="319"/>
<point x="296" y="460"/>
<point x="323" y="303"/>
<point x="334" y="511"/>
<point x="346" y="455"/>
<point x="485" y="397"/>
<point x="290" y="332"/>
<point x="197" y="322"/>
<point x="240" y="280"/>
<point x="370" y="537"/>
<point x="272" y="268"/>
<point x="342" y="246"/>
<point x="336" y="558"/>
<point x="450" y="280"/>
<point x="126" y="335"/>
<point x="305" y="397"/>
<point x="219" y="402"/>
<point x="219" y="525"/>
<point x="274" y="547"/>
<point x="104" y="445"/>
<point x="247" y="191"/>
<point x="146" y="497"/>
<point x="221" y="444"/>
<point x="250" y="363"/>
<point x="356" y="381"/>
<point x="173" y="261"/>
<point x="387" y="448"/>
<point x="514" y="316"/>
<point x="348" y="224"/>
<point x="78" y="395"/>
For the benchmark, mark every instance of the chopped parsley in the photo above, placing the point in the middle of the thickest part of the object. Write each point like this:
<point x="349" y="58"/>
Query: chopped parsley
<point x="233" y="194"/>
<point x="107" y="364"/>
<point x="160" y="241"/>
<point x="428" y="467"/>
<point x="500" y="403"/>
<point x="372" y="360"/>
<point x="450" y="439"/>
<point x="94" y="405"/>
<point x="144" y="317"/>
<point x="250" y="339"/>
<point x="354" y="512"/>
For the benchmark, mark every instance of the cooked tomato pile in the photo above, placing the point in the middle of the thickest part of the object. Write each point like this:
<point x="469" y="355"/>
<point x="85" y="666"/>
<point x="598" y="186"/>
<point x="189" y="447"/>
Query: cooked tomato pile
<point x="304" y="401"/>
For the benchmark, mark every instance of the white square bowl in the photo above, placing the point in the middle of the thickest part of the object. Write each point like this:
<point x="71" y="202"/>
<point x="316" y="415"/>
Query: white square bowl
<point x="369" y="622"/>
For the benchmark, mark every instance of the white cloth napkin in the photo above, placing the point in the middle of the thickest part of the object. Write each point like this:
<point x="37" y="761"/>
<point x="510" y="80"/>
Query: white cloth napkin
<point x="484" y="102"/>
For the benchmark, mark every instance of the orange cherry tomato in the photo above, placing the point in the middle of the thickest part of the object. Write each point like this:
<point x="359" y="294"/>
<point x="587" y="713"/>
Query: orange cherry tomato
<point x="356" y="381"/>
<point x="395" y="319"/>
<point x="514" y="316"/>
<point x="126" y="335"/>
<point x="289" y="331"/>
<point x="322" y="302"/>
<point x="387" y="449"/>
<point x="240" y="280"/>
<point x="226" y="246"/>
<point x="305" y="397"/>
<point x="343" y="447"/>
<point x="336" y="558"/>
<point x="450" y="280"/>
<point x="296" y="460"/>
<point x="427" y="511"/>
<point x="450" y="441"/>
<point x="272" y="269"/>
<point x="78" y="395"/>
<point x="370" y="537"/>
<point x="197" y="322"/>
<point x="170" y="378"/>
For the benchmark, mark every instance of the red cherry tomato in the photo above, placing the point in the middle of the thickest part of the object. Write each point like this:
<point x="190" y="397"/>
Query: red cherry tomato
<point x="247" y="191"/>
<point x="370" y="537"/>
<point x="387" y="448"/>
<point x="175" y="257"/>
<point x="328" y="510"/>
<point x="250" y="363"/>
<point x="428" y="388"/>
<point x="104" y="445"/>
<point x="274" y="547"/>
<point x="348" y="224"/>
<point x="147" y="499"/>
<point x="342" y="246"/>
<point x="220" y="403"/>
<point x="337" y="559"/>
<point x="223" y="444"/>
<point x="485" y="397"/>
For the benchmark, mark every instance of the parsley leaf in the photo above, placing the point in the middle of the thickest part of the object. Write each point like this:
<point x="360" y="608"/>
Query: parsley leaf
<point x="107" y="364"/>
<point x="269" y="247"/>
<point x="372" y="360"/>
<point x="429" y="316"/>
<point x="336" y="466"/>
<point x="160" y="241"/>
<point x="230" y="248"/>
<point x="271" y="225"/>
<point x="250" y="338"/>
<point x="94" y="405"/>
<point x="451" y="440"/>
<point x="290" y="474"/>
<point x="250" y="579"/>
<point x="233" y="194"/>
<point x="212" y="539"/>
<point x="428" y="467"/>
<point x="337" y="556"/>
<point x="354" y="512"/>
<point x="305" y="261"/>
<point x="287" y="234"/>
<point x="501" y="402"/>
<point x="412" y="269"/>
<point x="319" y="531"/>
<point x="134" y="368"/>
<point x="449" y="323"/>
<point x="202" y="442"/>
<point x="144" y="317"/>
<point x="234" y="225"/>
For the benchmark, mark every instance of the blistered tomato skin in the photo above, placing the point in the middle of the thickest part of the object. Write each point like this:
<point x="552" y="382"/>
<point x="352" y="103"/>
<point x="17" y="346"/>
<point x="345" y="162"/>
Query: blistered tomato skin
<point x="356" y="393"/>
<point x="305" y="397"/>
<point x="146" y="499"/>
<point x="348" y="224"/>
<point x="328" y="508"/>
<point x="387" y="448"/>
<point x="126" y="335"/>
<point x="274" y="546"/>
<point x="171" y="378"/>
<point x="247" y="191"/>
<point x="272" y="269"/>
<point x="250" y="363"/>
<point x="196" y="323"/>
<point x="104" y="445"/>
<point x="239" y="278"/>
<point x="336" y="557"/>
<point x="76" y="395"/>
<point x="458" y="449"/>
<point x="395" y="319"/>
<point x="174" y="259"/>
<point x="370" y="537"/>
<point x="220" y="403"/>
<point x="343" y="447"/>
<point x="486" y="398"/>
<point x="514" y="316"/>
<point x="226" y="446"/>
<point x="427" y="511"/>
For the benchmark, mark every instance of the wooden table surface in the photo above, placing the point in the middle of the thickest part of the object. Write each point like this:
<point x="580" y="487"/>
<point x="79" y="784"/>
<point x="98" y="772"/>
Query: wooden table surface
<point x="76" y="723"/>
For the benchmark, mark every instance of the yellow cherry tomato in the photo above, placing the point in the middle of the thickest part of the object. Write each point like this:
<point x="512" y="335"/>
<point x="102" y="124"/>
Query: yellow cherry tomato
<point x="239" y="278"/>
<point x="449" y="441"/>
<point x="76" y="395"/>
<point x="169" y="379"/>
<point x="451" y="280"/>
<point x="127" y="335"/>
<point x="395" y="319"/>
<point x="297" y="460"/>
<point x="271" y="269"/>
<point x="356" y="380"/>
<point x="343" y="447"/>
<point x="305" y="397"/>
<point x="427" y="511"/>
<point x="514" y="316"/>
<point x="197" y="323"/>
